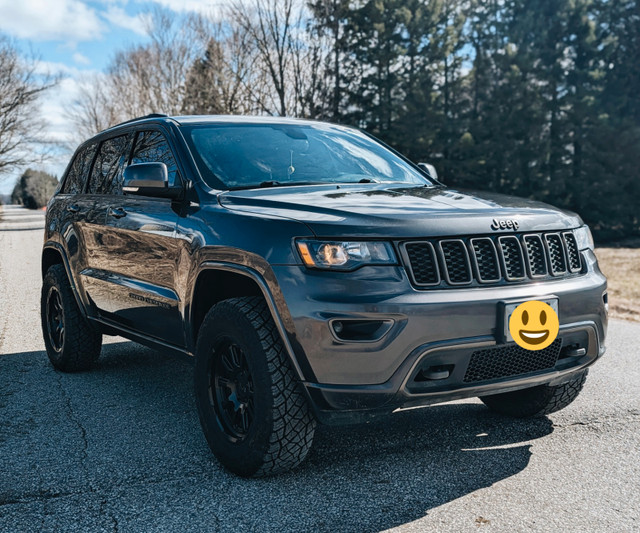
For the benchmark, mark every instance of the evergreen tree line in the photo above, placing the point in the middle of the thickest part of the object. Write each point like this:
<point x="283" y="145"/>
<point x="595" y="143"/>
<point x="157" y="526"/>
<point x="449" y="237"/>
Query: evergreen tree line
<point x="33" y="189"/>
<point x="538" y="98"/>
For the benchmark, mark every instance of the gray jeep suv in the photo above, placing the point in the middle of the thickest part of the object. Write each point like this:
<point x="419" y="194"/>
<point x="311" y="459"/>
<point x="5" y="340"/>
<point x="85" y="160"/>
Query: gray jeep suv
<point x="313" y="274"/>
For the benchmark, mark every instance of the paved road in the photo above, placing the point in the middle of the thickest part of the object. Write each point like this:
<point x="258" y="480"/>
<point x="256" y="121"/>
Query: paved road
<point x="17" y="218"/>
<point x="120" y="449"/>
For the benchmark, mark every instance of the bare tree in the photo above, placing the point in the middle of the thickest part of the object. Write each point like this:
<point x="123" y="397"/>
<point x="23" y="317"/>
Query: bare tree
<point x="93" y="111"/>
<point x="144" y="79"/>
<point x="285" y="53"/>
<point x="224" y="80"/>
<point x="21" y="129"/>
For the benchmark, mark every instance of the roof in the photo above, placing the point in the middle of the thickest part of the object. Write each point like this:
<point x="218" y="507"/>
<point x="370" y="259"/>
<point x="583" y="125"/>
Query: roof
<point x="219" y="119"/>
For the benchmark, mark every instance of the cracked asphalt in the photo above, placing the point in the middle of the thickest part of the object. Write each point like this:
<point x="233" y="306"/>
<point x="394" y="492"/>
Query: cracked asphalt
<point x="119" y="448"/>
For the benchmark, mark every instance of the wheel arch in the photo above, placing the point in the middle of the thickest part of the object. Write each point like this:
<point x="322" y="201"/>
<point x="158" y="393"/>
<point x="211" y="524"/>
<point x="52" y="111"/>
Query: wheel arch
<point x="217" y="281"/>
<point x="54" y="254"/>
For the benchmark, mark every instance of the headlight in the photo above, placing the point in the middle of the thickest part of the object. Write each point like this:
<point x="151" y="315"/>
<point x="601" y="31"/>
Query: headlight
<point x="337" y="255"/>
<point x="584" y="239"/>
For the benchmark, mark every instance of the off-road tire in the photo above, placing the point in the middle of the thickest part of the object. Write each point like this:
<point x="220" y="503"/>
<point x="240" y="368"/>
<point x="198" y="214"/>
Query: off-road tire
<point x="81" y="343"/>
<point x="536" y="401"/>
<point x="282" y="427"/>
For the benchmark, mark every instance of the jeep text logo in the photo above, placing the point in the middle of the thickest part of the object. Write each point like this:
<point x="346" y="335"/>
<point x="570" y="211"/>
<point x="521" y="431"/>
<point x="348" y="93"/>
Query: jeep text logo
<point x="503" y="224"/>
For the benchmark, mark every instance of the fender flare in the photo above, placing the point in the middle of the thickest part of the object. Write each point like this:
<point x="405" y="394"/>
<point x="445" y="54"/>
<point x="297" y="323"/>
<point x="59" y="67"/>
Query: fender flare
<point x="268" y="296"/>
<point x="49" y="245"/>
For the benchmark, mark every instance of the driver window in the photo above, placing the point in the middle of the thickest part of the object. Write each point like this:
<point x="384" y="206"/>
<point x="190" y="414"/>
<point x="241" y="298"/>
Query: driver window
<point x="152" y="147"/>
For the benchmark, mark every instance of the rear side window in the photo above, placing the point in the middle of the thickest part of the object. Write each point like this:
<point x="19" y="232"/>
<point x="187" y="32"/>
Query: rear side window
<point x="79" y="171"/>
<point x="106" y="176"/>
<point x="152" y="147"/>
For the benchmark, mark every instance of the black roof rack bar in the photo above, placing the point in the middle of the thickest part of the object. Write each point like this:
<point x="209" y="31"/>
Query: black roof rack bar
<point x="151" y="115"/>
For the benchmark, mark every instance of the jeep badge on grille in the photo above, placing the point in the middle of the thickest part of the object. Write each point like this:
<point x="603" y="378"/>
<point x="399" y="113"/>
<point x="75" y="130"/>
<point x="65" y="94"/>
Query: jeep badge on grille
<point x="503" y="224"/>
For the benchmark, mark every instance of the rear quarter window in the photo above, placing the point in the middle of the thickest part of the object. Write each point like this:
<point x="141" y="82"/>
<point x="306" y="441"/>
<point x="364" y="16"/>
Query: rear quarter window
<point x="79" y="171"/>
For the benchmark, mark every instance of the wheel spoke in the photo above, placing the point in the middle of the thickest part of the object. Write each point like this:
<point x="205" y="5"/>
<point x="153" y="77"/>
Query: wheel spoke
<point x="225" y="357"/>
<point x="244" y="418"/>
<point x="235" y="357"/>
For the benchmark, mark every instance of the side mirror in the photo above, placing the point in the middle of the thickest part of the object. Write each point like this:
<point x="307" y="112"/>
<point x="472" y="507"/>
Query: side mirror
<point x="149" y="179"/>
<point x="430" y="169"/>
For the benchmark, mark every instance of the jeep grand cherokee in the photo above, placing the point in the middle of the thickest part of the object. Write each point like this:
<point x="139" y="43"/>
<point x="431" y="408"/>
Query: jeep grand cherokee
<point x="314" y="275"/>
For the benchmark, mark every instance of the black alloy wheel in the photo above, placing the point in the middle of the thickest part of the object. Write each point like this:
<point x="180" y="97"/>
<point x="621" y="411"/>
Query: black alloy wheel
<point x="231" y="390"/>
<point x="55" y="319"/>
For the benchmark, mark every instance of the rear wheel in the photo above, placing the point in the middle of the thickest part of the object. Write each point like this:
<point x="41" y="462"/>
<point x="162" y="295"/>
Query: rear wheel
<point x="252" y="410"/>
<point x="72" y="344"/>
<point x="537" y="401"/>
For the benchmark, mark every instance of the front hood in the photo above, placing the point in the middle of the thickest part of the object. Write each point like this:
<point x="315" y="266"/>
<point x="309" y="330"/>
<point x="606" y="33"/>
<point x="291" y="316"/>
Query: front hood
<point x="369" y="210"/>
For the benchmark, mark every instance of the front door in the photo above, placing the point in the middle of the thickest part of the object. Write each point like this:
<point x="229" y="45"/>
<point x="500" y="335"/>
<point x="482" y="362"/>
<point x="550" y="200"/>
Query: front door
<point x="141" y="267"/>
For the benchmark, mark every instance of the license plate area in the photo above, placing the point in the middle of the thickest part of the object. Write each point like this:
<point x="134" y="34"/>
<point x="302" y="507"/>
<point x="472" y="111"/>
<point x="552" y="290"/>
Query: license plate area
<point x="507" y="309"/>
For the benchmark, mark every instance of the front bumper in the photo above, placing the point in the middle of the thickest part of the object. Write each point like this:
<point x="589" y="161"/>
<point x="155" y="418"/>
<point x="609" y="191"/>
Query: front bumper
<point x="430" y="328"/>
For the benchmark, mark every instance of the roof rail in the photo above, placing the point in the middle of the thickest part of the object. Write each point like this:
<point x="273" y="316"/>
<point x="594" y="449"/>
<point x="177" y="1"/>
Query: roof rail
<point x="150" y="115"/>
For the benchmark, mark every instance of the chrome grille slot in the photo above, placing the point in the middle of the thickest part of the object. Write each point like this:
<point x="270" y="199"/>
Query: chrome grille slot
<point x="536" y="255"/>
<point x="512" y="259"/>
<point x="424" y="264"/>
<point x="486" y="259"/>
<point x="556" y="254"/>
<point x="573" y="254"/>
<point x="457" y="268"/>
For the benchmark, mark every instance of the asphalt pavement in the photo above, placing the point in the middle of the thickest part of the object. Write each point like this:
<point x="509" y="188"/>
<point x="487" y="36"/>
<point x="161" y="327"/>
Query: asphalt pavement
<point x="119" y="448"/>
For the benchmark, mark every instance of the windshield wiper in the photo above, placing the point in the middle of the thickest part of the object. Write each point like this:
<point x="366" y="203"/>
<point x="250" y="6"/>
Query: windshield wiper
<point x="274" y="183"/>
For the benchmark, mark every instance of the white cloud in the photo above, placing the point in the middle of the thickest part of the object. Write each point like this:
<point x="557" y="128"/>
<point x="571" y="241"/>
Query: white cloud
<point x="81" y="59"/>
<point x="53" y="67"/>
<point x="43" y="20"/>
<point x="119" y="17"/>
<point x="202" y="6"/>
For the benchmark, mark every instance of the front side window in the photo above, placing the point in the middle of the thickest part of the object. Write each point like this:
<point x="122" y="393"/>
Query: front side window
<point x="79" y="171"/>
<point x="152" y="147"/>
<point x="253" y="155"/>
<point x="106" y="176"/>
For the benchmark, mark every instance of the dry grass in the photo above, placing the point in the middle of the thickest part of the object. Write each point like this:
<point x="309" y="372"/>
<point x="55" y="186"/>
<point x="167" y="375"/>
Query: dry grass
<point x="622" y="268"/>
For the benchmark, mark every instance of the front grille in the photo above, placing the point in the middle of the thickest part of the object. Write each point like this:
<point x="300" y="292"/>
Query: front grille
<point x="508" y="361"/>
<point x="494" y="259"/>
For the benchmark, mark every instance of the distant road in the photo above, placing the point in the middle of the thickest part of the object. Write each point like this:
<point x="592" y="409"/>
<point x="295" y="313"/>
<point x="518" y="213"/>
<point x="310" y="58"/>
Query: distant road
<point x="16" y="217"/>
<point x="119" y="448"/>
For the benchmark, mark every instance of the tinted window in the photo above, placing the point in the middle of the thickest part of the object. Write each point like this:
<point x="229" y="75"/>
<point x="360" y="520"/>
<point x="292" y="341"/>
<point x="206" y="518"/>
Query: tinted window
<point x="152" y="147"/>
<point x="106" y="176"/>
<point x="248" y="155"/>
<point x="77" y="177"/>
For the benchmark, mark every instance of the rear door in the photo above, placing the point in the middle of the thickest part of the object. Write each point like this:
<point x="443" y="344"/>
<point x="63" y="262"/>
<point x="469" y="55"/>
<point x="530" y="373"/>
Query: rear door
<point x="140" y="262"/>
<point x="83" y="215"/>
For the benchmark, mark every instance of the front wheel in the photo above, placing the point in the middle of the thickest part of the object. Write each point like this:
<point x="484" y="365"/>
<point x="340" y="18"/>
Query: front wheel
<point x="72" y="343"/>
<point x="253" y="413"/>
<point x="537" y="401"/>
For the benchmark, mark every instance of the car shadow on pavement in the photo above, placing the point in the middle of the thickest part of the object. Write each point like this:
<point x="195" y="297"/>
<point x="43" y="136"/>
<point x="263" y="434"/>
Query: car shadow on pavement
<point x="122" y="442"/>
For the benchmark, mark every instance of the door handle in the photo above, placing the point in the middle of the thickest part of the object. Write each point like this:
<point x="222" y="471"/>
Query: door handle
<point x="73" y="208"/>
<point x="117" y="212"/>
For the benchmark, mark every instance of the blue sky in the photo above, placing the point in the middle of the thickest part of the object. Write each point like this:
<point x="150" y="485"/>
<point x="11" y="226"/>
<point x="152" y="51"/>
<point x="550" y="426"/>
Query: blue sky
<point x="77" y="38"/>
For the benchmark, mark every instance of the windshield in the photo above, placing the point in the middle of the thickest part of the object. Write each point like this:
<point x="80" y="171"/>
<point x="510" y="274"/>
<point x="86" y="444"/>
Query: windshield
<point x="232" y="156"/>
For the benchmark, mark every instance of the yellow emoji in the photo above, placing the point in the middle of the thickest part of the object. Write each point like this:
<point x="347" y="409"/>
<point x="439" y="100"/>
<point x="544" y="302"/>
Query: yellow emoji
<point x="534" y="325"/>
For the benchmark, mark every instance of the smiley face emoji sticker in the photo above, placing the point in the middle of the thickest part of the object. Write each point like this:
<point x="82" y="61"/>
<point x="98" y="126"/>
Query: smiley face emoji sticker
<point x="534" y="325"/>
